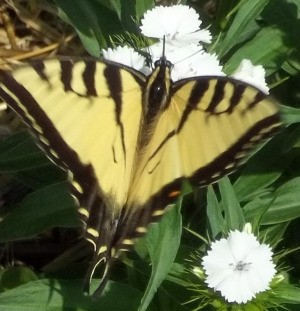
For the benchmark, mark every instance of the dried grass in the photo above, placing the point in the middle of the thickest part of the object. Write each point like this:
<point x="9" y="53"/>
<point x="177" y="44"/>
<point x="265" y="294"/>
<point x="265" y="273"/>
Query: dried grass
<point x="32" y="28"/>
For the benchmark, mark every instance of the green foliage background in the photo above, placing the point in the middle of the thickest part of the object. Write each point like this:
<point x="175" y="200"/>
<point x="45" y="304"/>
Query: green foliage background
<point x="265" y="192"/>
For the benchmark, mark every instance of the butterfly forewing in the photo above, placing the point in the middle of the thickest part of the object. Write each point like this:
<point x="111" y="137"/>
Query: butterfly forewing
<point x="228" y="117"/>
<point x="92" y="122"/>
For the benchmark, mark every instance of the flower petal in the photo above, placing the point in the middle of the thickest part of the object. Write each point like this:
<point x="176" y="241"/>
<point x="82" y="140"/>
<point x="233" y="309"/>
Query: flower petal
<point x="254" y="75"/>
<point x="235" y="288"/>
<point x="188" y="61"/>
<point x="241" y="243"/>
<point x="125" y="55"/>
<point x="179" y="24"/>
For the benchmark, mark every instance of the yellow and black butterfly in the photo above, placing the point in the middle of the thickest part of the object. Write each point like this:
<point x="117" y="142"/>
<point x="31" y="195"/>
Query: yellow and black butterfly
<point x="129" y="141"/>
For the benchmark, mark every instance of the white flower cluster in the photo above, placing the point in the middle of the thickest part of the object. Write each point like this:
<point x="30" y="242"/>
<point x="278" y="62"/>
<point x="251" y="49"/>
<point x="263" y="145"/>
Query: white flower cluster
<point x="178" y="28"/>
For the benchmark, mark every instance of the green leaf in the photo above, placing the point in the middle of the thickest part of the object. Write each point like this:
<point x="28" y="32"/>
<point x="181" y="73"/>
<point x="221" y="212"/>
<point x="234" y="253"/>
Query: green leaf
<point x="234" y="217"/>
<point x="130" y="12"/>
<point x="55" y="295"/>
<point x="271" y="56"/>
<point x="16" y="276"/>
<point x="292" y="64"/>
<point x="177" y="275"/>
<point x="284" y="15"/>
<point x="290" y="115"/>
<point x="261" y="170"/>
<point x="20" y="156"/>
<point x="282" y="206"/>
<point x="129" y="17"/>
<point x="40" y="177"/>
<point x="49" y="207"/>
<point x="287" y="293"/>
<point x="93" y="21"/>
<point x="162" y="240"/>
<point x="20" y="152"/>
<point x="143" y="6"/>
<point x="224" y="10"/>
<point x="116" y="4"/>
<point x="214" y="213"/>
<point x="274" y="234"/>
<point x="239" y="29"/>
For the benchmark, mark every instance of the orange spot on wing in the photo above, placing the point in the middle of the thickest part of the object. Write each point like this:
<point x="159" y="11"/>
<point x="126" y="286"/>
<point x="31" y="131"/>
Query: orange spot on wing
<point x="174" y="194"/>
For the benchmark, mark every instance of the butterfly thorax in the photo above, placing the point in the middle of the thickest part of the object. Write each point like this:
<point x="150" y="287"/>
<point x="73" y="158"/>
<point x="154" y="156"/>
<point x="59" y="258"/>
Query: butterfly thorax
<point x="156" y="96"/>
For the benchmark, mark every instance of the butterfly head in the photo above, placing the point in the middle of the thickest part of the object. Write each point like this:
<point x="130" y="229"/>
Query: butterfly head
<point x="163" y="63"/>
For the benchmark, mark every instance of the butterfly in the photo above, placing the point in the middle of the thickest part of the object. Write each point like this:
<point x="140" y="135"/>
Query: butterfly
<point x="129" y="141"/>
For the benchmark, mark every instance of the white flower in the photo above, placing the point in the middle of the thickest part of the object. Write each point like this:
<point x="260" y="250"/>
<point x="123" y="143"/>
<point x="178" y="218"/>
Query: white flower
<point x="254" y="75"/>
<point x="188" y="61"/>
<point x="239" y="267"/>
<point x="125" y="55"/>
<point x="179" y="24"/>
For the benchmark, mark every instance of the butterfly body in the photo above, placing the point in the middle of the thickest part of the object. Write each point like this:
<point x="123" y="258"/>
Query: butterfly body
<point x="129" y="141"/>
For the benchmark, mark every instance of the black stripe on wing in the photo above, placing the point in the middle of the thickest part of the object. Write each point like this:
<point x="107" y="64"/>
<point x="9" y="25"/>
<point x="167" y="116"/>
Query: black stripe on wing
<point x="88" y="77"/>
<point x="114" y="84"/>
<point x="66" y="75"/>
<point x="28" y="109"/>
<point x="202" y="84"/>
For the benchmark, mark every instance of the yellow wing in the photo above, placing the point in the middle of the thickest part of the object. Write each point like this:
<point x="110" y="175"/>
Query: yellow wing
<point x="207" y="130"/>
<point x="76" y="111"/>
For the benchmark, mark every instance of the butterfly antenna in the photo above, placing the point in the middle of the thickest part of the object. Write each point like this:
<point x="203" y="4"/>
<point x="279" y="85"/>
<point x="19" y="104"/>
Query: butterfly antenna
<point x="164" y="47"/>
<point x="187" y="57"/>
